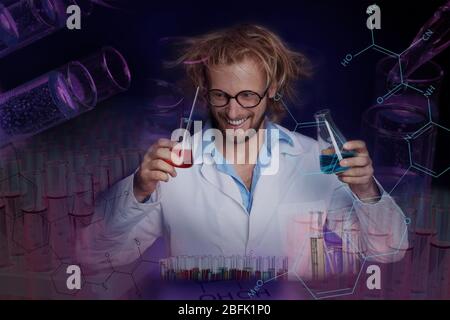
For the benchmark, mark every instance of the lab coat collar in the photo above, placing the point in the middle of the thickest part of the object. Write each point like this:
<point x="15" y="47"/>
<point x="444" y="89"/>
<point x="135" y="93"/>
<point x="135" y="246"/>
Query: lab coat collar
<point x="297" y="146"/>
<point x="291" y="146"/>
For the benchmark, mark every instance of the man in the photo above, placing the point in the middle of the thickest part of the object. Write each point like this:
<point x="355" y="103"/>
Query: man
<point x="231" y="207"/>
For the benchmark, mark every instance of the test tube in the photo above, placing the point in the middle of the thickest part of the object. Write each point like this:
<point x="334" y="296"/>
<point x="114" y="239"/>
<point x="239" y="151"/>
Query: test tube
<point x="352" y="249"/>
<point x="336" y="219"/>
<point x="228" y="268"/>
<point x="45" y="102"/>
<point x="317" y="246"/>
<point x="298" y="231"/>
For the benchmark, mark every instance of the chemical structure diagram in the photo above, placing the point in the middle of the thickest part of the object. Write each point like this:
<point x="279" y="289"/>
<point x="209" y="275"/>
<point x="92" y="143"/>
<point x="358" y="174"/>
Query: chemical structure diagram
<point x="403" y="84"/>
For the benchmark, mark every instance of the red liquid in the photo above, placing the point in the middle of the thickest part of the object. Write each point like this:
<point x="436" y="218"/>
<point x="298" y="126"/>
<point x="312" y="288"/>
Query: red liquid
<point x="186" y="155"/>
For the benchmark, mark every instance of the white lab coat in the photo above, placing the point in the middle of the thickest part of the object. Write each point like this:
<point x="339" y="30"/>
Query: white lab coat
<point x="200" y="212"/>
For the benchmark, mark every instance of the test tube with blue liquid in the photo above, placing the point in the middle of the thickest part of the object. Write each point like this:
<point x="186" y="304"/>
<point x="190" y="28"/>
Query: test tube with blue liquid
<point x="331" y="142"/>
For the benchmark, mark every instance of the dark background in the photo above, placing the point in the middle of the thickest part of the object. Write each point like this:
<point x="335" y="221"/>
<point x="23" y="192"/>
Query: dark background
<point x="325" y="30"/>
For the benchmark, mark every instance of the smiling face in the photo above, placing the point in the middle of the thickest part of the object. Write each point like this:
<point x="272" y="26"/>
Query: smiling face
<point x="232" y="79"/>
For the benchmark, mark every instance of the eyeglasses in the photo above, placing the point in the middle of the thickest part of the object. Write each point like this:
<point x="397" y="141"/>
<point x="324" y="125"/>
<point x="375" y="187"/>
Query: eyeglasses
<point x="246" y="99"/>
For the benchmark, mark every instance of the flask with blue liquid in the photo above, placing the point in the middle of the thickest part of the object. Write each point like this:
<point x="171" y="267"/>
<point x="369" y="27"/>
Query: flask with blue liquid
<point x="331" y="142"/>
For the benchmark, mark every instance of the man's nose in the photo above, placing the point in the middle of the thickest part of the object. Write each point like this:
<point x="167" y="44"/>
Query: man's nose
<point x="233" y="109"/>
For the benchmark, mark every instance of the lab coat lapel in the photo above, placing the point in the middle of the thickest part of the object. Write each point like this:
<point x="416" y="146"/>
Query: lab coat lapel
<point x="265" y="202"/>
<point x="271" y="188"/>
<point x="223" y="182"/>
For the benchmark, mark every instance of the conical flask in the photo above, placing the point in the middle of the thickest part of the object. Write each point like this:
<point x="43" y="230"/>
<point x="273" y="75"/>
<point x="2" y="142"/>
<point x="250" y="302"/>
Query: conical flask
<point x="331" y="142"/>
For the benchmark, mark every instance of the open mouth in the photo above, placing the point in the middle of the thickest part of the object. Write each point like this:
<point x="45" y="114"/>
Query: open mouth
<point x="236" y="122"/>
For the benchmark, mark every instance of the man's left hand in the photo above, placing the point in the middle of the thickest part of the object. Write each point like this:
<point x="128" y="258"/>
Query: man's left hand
<point x="360" y="175"/>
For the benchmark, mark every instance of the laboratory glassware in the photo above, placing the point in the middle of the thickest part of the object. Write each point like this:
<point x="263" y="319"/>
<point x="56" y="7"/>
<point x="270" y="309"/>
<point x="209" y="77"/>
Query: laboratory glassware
<point x="331" y="142"/>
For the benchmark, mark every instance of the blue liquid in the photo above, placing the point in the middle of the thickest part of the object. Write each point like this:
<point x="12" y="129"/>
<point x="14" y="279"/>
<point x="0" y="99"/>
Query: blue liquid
<point x="329" y="163"/>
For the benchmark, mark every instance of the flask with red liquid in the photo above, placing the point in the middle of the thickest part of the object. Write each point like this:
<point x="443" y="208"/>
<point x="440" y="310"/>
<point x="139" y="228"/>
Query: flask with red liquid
<point x="182" y="152"/>
<point x="182" y="156"/>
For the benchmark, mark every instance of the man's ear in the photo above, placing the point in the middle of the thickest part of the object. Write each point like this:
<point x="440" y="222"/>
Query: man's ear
<point x="272" y="91"/>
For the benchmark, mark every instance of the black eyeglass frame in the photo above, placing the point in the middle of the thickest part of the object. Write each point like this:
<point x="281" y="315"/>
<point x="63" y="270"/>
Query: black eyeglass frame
<point x="229" y="97"/>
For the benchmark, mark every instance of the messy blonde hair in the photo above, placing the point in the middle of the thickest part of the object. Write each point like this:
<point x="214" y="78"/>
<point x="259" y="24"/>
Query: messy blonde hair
<point x="281" y="65"/>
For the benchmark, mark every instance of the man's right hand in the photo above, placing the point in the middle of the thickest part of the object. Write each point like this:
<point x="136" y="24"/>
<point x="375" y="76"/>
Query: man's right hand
<point x="154" y="168"/>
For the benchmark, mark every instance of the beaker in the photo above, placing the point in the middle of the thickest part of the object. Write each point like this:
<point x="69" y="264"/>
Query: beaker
<point x="331" y="142"/>
<point x="386" y="129"/>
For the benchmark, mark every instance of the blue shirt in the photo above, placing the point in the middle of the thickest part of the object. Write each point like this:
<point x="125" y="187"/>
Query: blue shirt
<point x="227" y="168"/>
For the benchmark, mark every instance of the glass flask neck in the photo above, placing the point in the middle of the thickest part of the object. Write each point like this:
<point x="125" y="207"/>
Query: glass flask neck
<point x="323" y="115"/>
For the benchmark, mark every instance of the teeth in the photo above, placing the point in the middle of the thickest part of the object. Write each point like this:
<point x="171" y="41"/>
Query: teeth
<point x="236" y="122"/>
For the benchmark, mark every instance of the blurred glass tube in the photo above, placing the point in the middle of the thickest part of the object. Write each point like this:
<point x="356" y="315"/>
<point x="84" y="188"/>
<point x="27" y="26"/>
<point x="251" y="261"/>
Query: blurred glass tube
<point x="109" y="71"/>
<point x="425" y="229"/>
<point x="131" y="160"/>
<point x="11" y="182"/>
<point x="333" y="253"/>
<point x="352" y="249"/>
<point x="439" y="266"/>
<point x="36" y="229"/>
<point x="427" y="76"/>
<point x="26" y="21"/>
<point x="4" y="251"/>
<point x="82" y="194"/>
<point x="56" y="179"/>
<point x="33" y="195"/>
<point x="12" y="192"/>
<point x="114" y="163"/>
<point x="385" y="129"/>
<point x="45" y="102"/>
